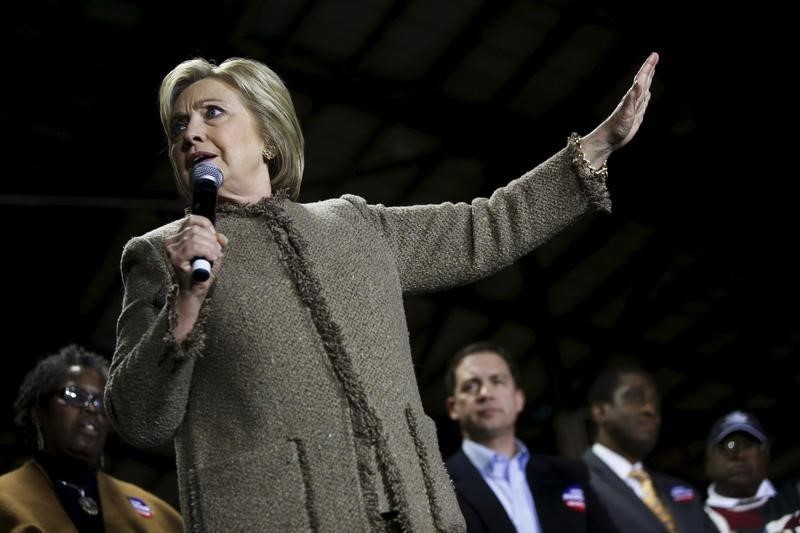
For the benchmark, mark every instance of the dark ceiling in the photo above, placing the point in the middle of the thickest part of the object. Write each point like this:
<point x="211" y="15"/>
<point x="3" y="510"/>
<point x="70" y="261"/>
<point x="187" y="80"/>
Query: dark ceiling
<point x="694" y="275"/>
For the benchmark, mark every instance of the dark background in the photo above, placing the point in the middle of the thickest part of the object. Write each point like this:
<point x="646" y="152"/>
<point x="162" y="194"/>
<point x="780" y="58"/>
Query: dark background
<point x="694" y="275"/>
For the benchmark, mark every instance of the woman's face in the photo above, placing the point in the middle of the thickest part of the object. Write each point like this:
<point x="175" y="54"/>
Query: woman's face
<point x="71" y="422"/>
<point x="211" y="124"/>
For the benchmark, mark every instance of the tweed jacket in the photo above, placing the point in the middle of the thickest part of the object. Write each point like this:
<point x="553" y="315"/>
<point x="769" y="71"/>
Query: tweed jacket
<point x="293" y="403"/>
<point x="29" y="503"/>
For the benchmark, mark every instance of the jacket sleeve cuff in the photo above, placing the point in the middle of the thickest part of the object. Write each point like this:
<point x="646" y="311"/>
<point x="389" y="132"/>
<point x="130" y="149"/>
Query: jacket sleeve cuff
<point x="592" y="180"/>
<point x="194" y="344"/>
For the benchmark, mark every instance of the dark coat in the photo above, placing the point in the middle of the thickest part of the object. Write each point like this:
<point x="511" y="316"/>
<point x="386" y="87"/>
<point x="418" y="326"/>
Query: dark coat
<point x="549" y="478"/>
<point x="631" y="515"/>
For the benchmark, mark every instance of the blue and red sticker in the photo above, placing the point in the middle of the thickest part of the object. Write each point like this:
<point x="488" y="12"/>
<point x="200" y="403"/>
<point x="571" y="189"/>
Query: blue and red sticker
<point x="574" y="499"/>
<point x="682" y="494"/>
<point x="140" y="507"/>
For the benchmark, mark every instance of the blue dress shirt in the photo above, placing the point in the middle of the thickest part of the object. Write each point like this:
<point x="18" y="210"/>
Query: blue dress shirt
<point x="506" y="477"/>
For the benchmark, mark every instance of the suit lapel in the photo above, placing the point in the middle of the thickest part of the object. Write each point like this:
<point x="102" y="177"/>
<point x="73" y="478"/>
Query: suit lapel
<point x="621" y="496"/>
<point x="610" y="478"/>
<point x="50" y="514"/>
<point x="473" y="490"/>
<point x="546" y="490"/>
<point x="678" y="510"/>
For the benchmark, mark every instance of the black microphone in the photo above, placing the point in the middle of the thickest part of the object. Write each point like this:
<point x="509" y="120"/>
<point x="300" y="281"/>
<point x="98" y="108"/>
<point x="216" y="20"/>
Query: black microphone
<point x="207" y="179"/>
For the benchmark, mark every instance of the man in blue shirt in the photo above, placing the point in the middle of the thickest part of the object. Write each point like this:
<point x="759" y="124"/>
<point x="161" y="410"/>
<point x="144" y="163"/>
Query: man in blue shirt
<point x="500" y="485"/>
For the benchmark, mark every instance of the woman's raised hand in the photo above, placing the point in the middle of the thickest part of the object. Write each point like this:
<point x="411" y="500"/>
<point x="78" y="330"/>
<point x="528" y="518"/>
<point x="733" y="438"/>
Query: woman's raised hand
<point x="623" y="123"/>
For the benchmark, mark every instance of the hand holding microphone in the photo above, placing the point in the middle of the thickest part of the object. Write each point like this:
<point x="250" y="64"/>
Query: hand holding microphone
<point x="206" y="181"/>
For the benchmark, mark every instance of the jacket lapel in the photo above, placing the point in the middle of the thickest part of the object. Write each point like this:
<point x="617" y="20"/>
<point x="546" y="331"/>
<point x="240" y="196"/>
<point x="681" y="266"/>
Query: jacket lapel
<point x="547" y="496"/>
<point x="36" y="487"/>
<point x="471" y="487"/>
<point x="619" y="497"/>
<point x="678" y="510"/>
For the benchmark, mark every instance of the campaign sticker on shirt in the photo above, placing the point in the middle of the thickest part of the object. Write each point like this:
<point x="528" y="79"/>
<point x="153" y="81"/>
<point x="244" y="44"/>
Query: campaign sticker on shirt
<point x="140" y="507"/>
<point x="573" y="498"/>
<point x="681" y="493"/>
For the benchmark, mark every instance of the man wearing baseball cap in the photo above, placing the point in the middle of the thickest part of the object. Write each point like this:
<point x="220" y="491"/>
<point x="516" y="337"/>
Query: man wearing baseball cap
<point x="740" y="498"/>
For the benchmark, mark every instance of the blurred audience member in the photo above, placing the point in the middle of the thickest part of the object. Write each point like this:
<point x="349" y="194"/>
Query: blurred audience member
<point x="626" y="410"/>
<point x="740" y="497"/>
<point x="500" y="485"/>
<point x="59" y="409"/>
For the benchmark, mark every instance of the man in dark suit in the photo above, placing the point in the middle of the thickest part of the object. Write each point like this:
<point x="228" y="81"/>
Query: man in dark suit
<point x="500" y="486"/>
<point x="626" y="410"/>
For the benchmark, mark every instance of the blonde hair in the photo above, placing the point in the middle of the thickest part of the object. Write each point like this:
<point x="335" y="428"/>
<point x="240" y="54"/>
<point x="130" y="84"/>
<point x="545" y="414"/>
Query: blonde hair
<point x="265" y="96"/>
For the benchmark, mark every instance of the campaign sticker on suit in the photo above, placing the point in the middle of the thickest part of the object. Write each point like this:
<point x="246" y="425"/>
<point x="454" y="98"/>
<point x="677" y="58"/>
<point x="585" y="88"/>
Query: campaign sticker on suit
<point x="681" y="494"/>
<point x="573" y="498"/>
<point x="140" y="507"/>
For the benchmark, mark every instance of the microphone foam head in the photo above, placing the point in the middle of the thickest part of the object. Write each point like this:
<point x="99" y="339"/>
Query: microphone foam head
<point x="206" y="171"/>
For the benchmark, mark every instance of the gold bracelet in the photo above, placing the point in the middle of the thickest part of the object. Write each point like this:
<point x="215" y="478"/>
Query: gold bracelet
<point x="583" y="163"/>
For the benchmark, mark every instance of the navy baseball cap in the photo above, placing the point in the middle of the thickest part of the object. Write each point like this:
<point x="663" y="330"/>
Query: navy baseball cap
<point x="737" y="421"/>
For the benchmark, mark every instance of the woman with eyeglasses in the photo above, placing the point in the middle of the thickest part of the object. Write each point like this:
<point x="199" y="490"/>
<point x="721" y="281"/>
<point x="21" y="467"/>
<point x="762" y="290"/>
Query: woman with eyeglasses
<point x="60" y="411"/>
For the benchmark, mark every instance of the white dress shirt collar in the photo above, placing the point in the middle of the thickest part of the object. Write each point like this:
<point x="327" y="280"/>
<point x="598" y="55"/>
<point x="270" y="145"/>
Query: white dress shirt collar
<point x="617" y="463"/>
<point x="765" y="491"/>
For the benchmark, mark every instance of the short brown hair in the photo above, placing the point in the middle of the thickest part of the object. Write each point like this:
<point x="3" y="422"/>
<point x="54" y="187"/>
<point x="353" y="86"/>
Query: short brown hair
<point x="477" y="347"/>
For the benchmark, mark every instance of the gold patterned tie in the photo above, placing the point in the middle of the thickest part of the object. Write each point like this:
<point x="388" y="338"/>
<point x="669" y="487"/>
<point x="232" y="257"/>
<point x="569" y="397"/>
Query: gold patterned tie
<point x="651" y="500"/>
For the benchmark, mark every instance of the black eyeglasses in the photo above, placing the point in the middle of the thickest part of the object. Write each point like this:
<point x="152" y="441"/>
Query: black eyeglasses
<point x="77" y="397"/>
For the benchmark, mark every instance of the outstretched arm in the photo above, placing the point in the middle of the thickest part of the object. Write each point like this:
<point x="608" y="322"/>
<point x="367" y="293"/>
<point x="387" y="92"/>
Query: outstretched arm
<point x="439" y="246"/>
<point x="622" y="124"/>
